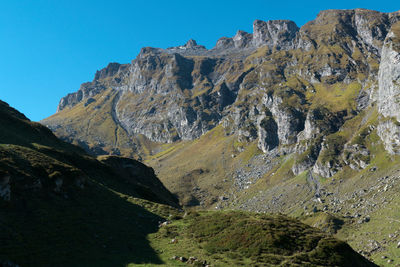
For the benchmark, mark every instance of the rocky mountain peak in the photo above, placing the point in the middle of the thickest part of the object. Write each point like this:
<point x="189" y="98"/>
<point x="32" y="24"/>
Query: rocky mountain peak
<point x="242" y="39"/>
<point x="110" y="70"/>
<point x="147" y="50"/>
<point x="274" y="33"/>
<point x="224" y="43"/>
<point x="191" y="43"/>
<point x="361" y="28"/>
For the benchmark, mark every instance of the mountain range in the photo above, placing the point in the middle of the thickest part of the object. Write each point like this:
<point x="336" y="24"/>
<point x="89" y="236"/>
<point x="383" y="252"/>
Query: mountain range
<point x="303" y="122"/>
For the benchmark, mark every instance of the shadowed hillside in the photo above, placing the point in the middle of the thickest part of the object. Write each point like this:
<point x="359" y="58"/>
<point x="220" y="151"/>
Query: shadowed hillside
<point x="61" y="207"/>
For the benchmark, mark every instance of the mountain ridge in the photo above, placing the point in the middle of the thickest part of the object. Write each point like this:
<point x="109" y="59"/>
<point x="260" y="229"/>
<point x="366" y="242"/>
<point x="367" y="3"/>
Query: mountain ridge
<point x="207" y="92"/>
<point x="296" y="122"/>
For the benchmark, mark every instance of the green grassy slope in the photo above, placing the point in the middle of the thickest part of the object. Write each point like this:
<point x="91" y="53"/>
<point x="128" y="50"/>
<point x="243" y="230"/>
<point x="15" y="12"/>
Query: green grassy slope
<point x="232" y="238"/>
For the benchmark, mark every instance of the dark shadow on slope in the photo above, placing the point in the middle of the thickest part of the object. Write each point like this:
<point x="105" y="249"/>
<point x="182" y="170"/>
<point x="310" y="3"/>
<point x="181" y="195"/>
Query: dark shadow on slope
<point x="93" y="227"/>
<point x="124" y="175"/>
<point x="61" y="207"/>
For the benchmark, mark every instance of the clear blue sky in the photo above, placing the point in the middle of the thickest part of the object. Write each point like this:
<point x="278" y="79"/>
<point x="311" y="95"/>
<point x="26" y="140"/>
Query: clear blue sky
<point x="48" y="48"/>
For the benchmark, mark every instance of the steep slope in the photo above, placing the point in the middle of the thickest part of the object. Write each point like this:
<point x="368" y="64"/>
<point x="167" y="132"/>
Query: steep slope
<point x="32" y="154"/>
<point x="61" y="207"/>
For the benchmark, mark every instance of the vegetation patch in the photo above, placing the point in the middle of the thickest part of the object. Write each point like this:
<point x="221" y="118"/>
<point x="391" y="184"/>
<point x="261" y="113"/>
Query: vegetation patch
<point x="242" y="238"/>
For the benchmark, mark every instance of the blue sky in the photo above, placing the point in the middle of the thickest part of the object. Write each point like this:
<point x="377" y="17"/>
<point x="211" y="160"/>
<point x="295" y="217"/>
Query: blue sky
<point x="48" y="48"/>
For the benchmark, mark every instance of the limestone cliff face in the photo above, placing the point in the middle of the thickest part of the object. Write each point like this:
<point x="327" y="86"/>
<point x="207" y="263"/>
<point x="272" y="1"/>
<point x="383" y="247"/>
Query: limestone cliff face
<point x="178" y="98"/>
<point x="389" y="76"/>
<point x="282" y="86"/>
<point x="389" y="91"/>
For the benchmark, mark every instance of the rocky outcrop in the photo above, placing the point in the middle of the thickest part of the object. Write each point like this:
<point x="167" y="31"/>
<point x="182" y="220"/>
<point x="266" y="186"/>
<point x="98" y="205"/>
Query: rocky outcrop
<point x="389" y="78"/>
<point x="326" y="169"/>
<point x="109" y="71"/>
<point x="112" y="75"/>
<point x="242" y="39"/>
<point x="307" y="159"/>
<point x="289" y="120"/>
<point x="192" y="44"/>
<point x="224" y="43"/>
<point x="356" y="156"/>
<point x="279" y="34"/>
<point x="183" y="97"/>
<point x="320" y="121"/>
<point x="267" y="133"/>
<point x="389" y="132"/>
<point x="389" y="91"/>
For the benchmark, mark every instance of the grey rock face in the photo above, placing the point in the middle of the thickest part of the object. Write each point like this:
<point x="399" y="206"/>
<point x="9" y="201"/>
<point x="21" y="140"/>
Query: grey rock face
<point x="279" y="34"/>
<point x="267" y="133"/>
<point x="224" y="43"/>
<point x="389" y="93"/>
<point x="242" y="39"/>
<point x="327" y="169"/>
<point x="275" y="33"/>
<point x="72" y="99"/>
<point x="109" y="71"/>
<point x="166" y="82"/>
<point x="320" y="121"/>
<point x="389" y="80"/>
<point x="369" y="33"/>
<point x="308" y="160"/>
<point x="356" y="156"/>
<point x="289" y="121"/>
<point x="389" y="132"/>
<point x="192" y="44"/>
<point x="311" y="128"/>
<point x="366" y="28"/>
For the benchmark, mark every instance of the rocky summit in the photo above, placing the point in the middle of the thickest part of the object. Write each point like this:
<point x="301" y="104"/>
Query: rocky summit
<point x="302" y="121"/>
